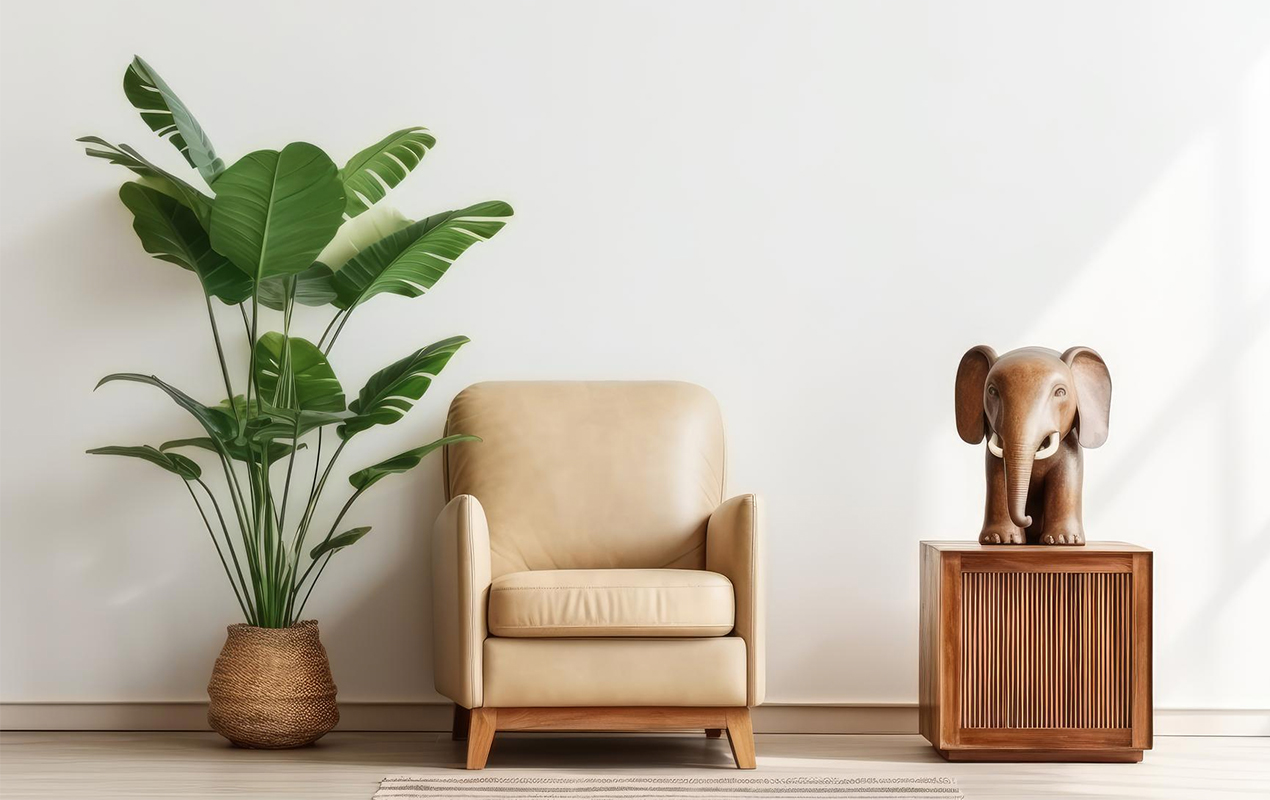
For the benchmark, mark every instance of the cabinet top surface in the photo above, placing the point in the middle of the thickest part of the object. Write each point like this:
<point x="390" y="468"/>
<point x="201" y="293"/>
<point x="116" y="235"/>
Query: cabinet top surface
<point x="1034" y="549"/>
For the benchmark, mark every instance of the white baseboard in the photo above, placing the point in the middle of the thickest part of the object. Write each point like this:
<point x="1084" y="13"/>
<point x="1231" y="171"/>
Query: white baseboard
<point x="192" y="716"/>
<point x="775" y="718"/>
<point x="1212" y="722"/>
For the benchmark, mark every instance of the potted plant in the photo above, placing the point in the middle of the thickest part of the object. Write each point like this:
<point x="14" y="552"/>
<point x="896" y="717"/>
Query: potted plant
<point x="282" y="229"/>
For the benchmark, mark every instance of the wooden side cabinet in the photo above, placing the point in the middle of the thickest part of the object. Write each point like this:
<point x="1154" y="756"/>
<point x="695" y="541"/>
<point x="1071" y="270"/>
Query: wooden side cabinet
<point x="1036" y="653"/>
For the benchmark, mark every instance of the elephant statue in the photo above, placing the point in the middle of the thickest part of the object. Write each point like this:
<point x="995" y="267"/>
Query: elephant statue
<point x="1037" y="408"/>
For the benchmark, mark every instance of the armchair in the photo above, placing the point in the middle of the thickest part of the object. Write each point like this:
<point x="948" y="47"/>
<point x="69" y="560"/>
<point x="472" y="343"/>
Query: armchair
<point x="587" y="574"/>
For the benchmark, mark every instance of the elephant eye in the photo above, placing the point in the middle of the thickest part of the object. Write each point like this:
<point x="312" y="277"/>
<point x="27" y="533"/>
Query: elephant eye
<point x="992" y="390"/>
<point x="1060" y="392"/>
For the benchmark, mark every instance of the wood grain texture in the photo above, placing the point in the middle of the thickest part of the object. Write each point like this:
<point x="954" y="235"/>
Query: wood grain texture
<point x="612" y="718"/>
<point x="1045" y="738"/>
<point x="344" y="765"/>
<point x="1039" y="552"/>
<point x="928" y="645"/>
<point x="1043" y="649"/>
<point x="736" y="721"/>
<point x="948" y="654"/>
<point x="1086" y="755"/>
<point x="1025" y="668"/>
<point x="1020" y="559"/>
<point x="741" y="738"/>
<point x="1143" y="701"/>
<point x="480" y="736"/>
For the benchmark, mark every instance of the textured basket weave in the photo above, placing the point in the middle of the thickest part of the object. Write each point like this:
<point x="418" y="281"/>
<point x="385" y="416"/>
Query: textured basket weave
<point x="271" y="687"/>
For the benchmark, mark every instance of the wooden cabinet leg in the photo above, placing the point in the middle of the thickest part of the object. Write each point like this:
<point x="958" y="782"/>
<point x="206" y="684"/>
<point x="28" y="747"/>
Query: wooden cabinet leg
<point x="480" y="736"/>
<point x="741" y="737"/>
<point x="462" y="719"/>
<point x="714" y="733"/>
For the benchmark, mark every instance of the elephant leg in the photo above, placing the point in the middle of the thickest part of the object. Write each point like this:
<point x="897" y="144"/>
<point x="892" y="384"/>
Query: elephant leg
<point x="998" y="528"/>
<point x="1063" y="484"/>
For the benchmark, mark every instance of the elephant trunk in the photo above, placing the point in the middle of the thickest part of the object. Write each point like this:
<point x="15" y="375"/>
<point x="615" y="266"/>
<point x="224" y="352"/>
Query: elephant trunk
<point x="1020" y="452"/>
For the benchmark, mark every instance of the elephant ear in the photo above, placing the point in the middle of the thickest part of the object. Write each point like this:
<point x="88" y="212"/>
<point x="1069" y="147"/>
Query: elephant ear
<point x="1093" y="395"/>
<point x="972" y="374"/>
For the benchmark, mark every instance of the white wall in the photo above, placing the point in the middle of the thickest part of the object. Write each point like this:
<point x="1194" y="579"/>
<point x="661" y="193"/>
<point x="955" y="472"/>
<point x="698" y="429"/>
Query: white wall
<point x="812" y="209"/>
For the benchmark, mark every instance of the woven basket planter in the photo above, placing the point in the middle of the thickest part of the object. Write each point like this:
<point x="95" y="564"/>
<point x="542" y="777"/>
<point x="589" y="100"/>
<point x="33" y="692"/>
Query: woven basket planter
<point x="271" y="687"/>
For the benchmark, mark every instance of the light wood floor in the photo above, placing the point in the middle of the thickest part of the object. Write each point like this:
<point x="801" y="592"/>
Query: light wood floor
<point x="350" y="765"/>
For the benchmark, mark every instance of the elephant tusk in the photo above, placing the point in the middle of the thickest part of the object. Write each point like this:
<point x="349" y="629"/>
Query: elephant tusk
<point x="994" y="446"/>
<point x="1048" y="447"/>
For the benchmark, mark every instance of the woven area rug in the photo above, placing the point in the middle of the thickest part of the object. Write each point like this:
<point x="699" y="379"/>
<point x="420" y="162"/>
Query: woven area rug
<point x="494" y="787"/>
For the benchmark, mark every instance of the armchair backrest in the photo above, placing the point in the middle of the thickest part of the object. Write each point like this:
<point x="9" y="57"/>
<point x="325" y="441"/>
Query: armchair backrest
<point x="589" y="475"/>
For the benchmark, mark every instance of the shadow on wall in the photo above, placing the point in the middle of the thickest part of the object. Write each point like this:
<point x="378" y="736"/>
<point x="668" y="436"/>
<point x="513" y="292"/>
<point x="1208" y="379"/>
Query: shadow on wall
<point x="1200" y="372"/>
<point x="1146" y="241"/>
<point x="1178" y="300"/>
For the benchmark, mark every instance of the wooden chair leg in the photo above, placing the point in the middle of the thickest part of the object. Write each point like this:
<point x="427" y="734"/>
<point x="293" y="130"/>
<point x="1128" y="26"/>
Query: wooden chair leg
<point x="714" y="733"/>
<point x="462" y="719"/>
<point x="480" y="736"/>
<point x="741" y="737"/>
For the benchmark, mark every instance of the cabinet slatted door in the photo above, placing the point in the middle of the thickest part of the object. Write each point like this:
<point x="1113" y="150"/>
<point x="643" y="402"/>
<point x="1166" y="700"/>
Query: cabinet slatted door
<point x="1045" y="665"/>
<point x="1036" y="653"/>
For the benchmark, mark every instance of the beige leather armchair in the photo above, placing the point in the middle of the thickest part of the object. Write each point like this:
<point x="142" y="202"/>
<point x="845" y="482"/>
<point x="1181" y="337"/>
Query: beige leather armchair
<point x="587" y="573"/>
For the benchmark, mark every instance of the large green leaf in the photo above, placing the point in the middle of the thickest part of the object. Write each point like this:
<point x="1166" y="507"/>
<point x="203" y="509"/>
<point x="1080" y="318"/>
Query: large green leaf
<point x="262" y="423"/>
<point x="402" y="462"/>
<point x="171" y="232"/>
<point x="391" y="392"/>
<point x="360" y="232"/>
<point x="412" y="260"/>
<point x="274" y="212"/>
<point x="218" y="425"/>
<point x="155" y="177"/>
<point x="235" y="413"/>
<point x="238" y="450"/>
<point x="167" y="116"/>
<point x="172" y="462"/>
<point x="313" y="287"/>
<point x="339" y="542"/>
<point x="283" y="423"/>
<point x="371" y="173"/>
<point x="293" y="373"/>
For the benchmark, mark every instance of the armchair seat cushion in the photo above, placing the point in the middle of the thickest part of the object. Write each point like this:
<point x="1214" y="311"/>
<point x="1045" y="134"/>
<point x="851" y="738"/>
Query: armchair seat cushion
<point x="588" y="603"/>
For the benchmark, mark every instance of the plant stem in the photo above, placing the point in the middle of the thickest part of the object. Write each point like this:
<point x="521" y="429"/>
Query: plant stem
<point x="305" y="601"/>
<point x="286" y="486"/>
<point x="298" y="542"/>
<point x="216" y="544"/>
<point x="329" y="534"/>
<point x="251" y="342"/>
<point x="340" y="517"/>
<point x="311" y="507"/>
<point x="220" y="354"/>
<point x="305" y="521"/>
<point x="331" y="344"/>
<point x="233" y="554"/>
<point x="267" y="533"/>
<point x="330" y="325"/>
<point x="235" y="491"/>
<point x="317" y="467"/>
<point x="258" y="474"/>
<point x="287" y="372"/>
<point x="235" y="496"/>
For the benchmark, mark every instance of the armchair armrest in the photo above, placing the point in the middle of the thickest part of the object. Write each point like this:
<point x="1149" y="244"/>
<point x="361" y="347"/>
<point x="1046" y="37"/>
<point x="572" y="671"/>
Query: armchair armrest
<point x="460" y="592"/>
<point x="734" y="548"/>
